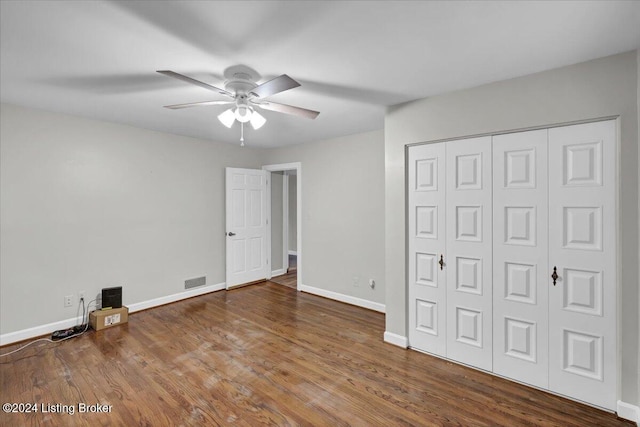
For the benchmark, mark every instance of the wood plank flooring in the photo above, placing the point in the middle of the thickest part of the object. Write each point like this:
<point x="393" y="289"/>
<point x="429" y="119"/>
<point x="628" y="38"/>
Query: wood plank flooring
<point x="265" y="355"/>
<point x="289" y="279"/>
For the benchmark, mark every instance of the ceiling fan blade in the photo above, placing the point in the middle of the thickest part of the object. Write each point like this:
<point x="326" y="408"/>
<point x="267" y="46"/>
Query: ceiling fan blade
<point x="197" y="104"/>
<point x="288" y="109"/>
<point x="277" y="85"/>
<point x="195" y="82"/>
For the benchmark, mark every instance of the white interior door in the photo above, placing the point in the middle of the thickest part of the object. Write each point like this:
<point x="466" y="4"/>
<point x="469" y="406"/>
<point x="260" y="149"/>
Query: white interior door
<point x="582" y="250"/>
<point x="427" y="238"/>
<point x="520" y="256"/>
<point x="468" y="258"/>
<point x="246" y="221"/>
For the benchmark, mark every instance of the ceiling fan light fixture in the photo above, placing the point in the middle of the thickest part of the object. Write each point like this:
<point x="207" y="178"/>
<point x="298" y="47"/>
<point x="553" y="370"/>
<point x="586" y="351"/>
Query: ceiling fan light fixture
<point x="243" y="114"/>
<point x="242" y="87"/>
<point x="257" y="120"/>
<point x="227" y="117"/>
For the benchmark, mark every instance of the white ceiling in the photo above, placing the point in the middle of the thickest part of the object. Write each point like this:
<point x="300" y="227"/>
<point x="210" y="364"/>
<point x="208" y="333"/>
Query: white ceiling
<point x="98" y="59"/>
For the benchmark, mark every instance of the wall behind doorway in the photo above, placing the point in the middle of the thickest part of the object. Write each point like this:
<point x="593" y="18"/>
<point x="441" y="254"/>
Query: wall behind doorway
<point x="277" y="263"/>
<point x="293" y="212"/>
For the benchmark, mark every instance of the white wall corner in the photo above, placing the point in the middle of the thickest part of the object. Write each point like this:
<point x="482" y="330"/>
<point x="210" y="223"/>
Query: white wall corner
<point x="371" y="305"/>
<point x="628" y="412"/>
<point x="396" y="339"/>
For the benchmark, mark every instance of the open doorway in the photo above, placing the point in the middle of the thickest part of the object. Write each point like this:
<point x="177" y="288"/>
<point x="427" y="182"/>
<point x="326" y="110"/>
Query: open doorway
<point x="285" y="239"/>
<point x="291" y="220"/>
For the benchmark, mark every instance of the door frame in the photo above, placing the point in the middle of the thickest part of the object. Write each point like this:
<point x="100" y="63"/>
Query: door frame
<point x="281" y="167"/>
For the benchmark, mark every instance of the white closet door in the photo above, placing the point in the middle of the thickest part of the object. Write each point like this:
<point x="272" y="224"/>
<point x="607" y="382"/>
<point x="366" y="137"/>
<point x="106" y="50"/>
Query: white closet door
<point x="426" y="211"/>
<point x="520" y="252"/>
<point x="582" y="230"/>
<point x="468" y="259"/>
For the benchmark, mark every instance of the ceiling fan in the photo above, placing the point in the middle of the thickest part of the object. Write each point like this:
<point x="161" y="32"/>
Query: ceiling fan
<point x="246" y="96"/>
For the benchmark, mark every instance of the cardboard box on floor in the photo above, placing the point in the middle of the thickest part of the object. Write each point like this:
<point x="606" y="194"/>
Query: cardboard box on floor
<point x="101" y="319"/>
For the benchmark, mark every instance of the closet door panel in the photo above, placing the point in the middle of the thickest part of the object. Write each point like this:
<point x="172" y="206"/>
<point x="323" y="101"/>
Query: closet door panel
<point x="582" y="249"/>
<point x="520" y="252"/>
<point x="468" y="257"/>
<point x="426" y="239"/>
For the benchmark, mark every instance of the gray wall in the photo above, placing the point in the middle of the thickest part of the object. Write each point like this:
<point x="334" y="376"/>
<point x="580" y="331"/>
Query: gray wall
<point x="343" y="212"/>
<point x="276" y="220"/>
<point x="89" y="204"/>
<point x="293" y="212"/>
<point x="599" y="88"/>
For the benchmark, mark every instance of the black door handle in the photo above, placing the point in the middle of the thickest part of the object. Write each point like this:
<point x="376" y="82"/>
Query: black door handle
<point x="231" y="233"/>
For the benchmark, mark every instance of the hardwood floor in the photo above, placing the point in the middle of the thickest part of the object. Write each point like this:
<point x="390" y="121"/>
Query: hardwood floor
<point x="289" y="279"/>
<point x="265" y="354"/>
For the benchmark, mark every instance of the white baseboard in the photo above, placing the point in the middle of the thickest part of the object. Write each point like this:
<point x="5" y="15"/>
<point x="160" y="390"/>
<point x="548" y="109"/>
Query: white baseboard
<point x="628" y="412"/>
<point x="396" y="339"/>
<point x="293" y="253"/>
<point x="278" y="272"/>
<point x="37" y="331"/>
<point x="175" y="297"/>
<point x="371" y="305"/>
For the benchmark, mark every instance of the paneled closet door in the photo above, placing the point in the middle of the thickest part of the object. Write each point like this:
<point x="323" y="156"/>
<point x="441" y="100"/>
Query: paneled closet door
<point x="426" y="238"/>
<point x="468" y="259"/>
<point x="582" y="252"/>
<point x="520" y="256"/>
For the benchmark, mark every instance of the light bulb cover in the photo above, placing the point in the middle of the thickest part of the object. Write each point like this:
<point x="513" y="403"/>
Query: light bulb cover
<point x="243" y="114"/>
<point x="257" y="120"/>
<point x="227" y="117"/>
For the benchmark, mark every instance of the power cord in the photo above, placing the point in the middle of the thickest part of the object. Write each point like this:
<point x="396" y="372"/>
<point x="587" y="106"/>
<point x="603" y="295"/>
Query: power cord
<point x="83" y="325"/>
<point x="83" y="309"/>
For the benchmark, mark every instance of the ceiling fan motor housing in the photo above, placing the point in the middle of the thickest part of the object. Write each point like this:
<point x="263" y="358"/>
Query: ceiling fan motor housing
<point x="240" y="84"/>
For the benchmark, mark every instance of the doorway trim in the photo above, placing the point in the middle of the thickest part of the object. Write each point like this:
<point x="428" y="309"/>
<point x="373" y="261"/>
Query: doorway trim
<point x="281" y="167"/>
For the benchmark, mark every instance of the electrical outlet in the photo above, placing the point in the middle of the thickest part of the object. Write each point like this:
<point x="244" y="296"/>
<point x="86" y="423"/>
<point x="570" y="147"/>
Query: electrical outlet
<point x="372" y="283"/>
<point x="68" y="301"/>
<point x="81" y="296"/>
<point x="356" y="281"/>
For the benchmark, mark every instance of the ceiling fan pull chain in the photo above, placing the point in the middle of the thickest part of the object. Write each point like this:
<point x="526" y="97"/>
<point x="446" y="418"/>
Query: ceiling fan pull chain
<point x="241" y="134"/>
